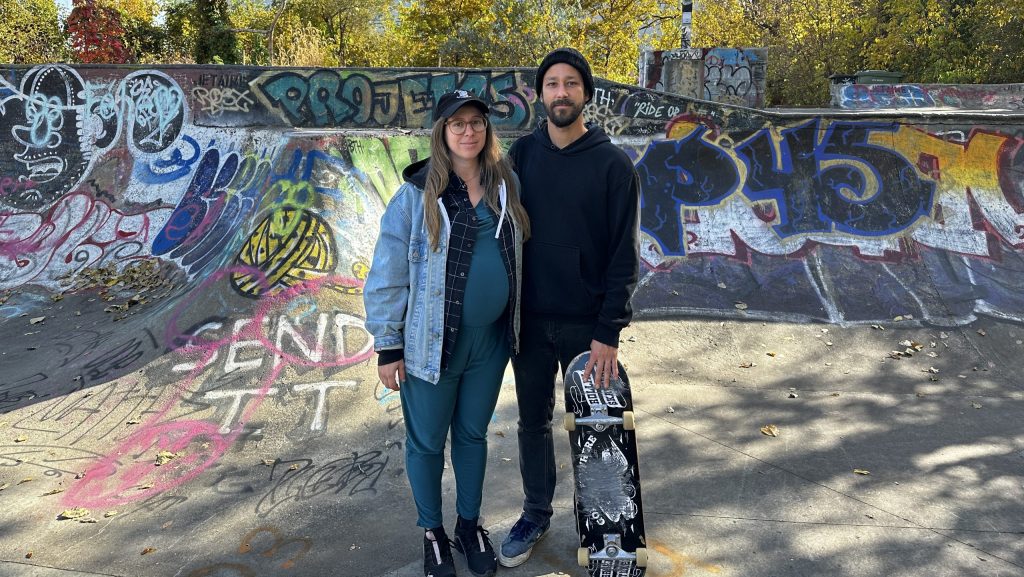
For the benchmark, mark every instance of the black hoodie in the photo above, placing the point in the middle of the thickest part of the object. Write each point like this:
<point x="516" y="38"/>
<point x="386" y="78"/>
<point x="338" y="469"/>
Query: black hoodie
<point x="582" y="260"/>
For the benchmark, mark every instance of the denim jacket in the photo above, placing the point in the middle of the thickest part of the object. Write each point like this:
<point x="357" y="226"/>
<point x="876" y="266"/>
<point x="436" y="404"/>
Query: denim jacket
<point x="404" y="292"/>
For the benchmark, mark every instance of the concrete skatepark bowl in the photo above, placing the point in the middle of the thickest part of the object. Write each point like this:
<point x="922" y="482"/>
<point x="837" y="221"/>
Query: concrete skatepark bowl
<point x="187" y="388"/>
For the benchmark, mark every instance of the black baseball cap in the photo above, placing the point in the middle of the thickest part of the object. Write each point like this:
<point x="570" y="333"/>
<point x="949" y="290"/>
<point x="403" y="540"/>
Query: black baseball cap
<point x="450" y="102"/>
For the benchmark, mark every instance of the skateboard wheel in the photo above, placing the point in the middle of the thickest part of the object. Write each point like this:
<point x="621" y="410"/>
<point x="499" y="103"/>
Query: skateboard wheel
<point x="641" y="557"/>
<point x="627" y="421"/>
<point x="569" y="422"/>
<point x="583" y="556"/>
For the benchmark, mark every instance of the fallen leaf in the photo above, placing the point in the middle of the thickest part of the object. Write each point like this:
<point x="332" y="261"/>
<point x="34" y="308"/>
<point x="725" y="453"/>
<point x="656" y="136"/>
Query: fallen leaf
<point x="747" y="365"/>
<point x="269" y="462"/>
<point x="931" y="370"/>
<point x="76" y="513"/>
<point x="976" y="405"/>
<point x="506" y="459"/>
<point x="878" y="327"/>
<point x="898" y="318"/>
<point x="36" y="320"/>
<point x="933" y="354"/>
<point x="793" y="395"/>
<point x="740" y="305"/>
<point x="862" y="471"/>
<point x="500" y="433"/>
<point x="132" y="422"/>
<point x="109" y="514"/>
<point x="88" y="520"/>
<point x="25" y="480"/>
<point x="770" y="354"/>
<point x="294" y="467"/>
<point x="721" y="285"/>
<point x="52" y="492"/>
<point x="144" y="487"/>
<point x="770" y="430"/>
<point x="148" y="550"/>
<point x="982" y="332"/>
<point x="20" y="439"/>
<point x="670" y="410"/>
<point x="164" y="457"/>
<point x="828" y="343"/>
<point x="28" y="555"/>
<point x="4" y="486"/>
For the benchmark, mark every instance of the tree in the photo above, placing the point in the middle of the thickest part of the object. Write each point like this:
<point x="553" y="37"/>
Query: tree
<point x="346" y="24"/>
<point x="215" y="41"/>
<point x="96" y="34"/>
<point x="31" y="32"/>
<point x="143" y="36"/>
<point x="520" y="32"/>
<point x="450" y="33"/>
<point x="253" y="20"/>
<point x="807" y="41"/>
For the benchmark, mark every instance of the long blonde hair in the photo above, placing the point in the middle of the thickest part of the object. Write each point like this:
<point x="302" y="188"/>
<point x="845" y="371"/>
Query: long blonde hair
<point x="494" y="168"/>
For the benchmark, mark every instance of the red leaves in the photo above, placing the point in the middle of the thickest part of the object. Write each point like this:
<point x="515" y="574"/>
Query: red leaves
<point x="96" y="34"/>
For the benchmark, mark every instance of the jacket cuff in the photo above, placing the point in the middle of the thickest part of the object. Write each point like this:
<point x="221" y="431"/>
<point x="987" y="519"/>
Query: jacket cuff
<point x="388" y="356"/>
<point x="607" y="335"/>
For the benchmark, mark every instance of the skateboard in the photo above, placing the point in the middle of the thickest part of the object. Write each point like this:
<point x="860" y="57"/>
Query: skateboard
<point x="609" y="515"/>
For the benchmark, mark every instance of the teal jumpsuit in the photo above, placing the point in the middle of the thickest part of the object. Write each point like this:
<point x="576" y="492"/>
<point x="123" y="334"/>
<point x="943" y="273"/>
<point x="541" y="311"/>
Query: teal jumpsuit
<point x="464" y="398"/>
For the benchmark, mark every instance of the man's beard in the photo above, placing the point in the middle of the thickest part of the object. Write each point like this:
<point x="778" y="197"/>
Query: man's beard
<point x="562" y="118"/>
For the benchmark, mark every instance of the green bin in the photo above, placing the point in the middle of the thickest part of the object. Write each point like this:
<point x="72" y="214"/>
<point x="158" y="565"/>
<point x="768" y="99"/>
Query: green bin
<point x="878" y="77"/>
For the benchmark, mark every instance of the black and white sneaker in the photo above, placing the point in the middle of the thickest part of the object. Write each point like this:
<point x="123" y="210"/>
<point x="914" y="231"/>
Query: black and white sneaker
<point x="437" y="554"/>
<point x="471" y="540"/>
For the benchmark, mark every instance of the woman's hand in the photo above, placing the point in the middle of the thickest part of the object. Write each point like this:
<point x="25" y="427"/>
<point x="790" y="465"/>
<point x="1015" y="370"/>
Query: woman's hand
<point x="392" y="374"/>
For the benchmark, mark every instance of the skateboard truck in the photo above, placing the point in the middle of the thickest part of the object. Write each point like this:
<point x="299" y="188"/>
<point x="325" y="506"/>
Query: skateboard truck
<point x="599" y="419"/>
<point x="612" y="552"/>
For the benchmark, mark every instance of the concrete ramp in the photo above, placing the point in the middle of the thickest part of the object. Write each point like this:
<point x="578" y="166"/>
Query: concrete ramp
<point x="187" y="387"/>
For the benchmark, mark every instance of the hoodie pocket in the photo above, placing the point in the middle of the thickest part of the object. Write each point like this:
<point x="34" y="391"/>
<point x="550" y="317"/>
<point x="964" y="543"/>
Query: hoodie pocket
<point x="554" y="284"/>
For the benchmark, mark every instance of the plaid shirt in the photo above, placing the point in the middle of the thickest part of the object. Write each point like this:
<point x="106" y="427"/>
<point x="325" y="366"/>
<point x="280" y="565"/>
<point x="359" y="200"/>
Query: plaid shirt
<point x="461" y="240"/>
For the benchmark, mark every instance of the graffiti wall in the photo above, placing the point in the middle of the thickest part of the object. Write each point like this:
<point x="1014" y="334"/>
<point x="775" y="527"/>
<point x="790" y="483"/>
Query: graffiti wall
<point x="726" y="75"/>
<point x="1004" y="97"/>
<point x="282" y="174"/>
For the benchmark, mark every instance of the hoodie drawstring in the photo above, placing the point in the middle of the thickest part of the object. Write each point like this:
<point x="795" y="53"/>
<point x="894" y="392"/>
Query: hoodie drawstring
<point x="502" y="196"/>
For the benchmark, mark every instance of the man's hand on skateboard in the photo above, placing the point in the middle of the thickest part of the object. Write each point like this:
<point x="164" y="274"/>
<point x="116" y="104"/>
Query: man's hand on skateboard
<point x="603" y="363"/>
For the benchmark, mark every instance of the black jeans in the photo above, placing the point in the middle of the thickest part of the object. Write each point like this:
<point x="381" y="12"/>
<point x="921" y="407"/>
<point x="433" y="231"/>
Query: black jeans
<point x="544" y="345"/>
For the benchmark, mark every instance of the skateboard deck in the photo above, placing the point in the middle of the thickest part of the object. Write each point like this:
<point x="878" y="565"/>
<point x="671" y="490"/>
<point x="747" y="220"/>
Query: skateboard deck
<point x="609" y="514"/>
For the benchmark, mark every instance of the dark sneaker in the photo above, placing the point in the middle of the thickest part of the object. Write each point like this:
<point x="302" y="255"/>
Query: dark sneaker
<point x="471" y="540"/>
<point x="437" y="554"/>
<point x="516" y="548"/>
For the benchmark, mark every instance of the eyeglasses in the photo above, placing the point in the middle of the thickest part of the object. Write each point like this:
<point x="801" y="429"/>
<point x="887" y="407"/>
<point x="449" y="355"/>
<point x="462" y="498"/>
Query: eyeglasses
<point x="458" y="127"/>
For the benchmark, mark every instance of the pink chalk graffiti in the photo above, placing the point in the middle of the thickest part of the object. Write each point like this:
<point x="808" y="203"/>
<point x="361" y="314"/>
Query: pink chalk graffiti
<point x="129" y="473"/>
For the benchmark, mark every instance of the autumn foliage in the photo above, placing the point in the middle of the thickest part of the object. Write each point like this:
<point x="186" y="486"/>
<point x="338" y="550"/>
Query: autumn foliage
<point x="96" y="34"/>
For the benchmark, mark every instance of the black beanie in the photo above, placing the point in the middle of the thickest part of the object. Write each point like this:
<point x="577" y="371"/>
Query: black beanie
<point x="573" y="58"/>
